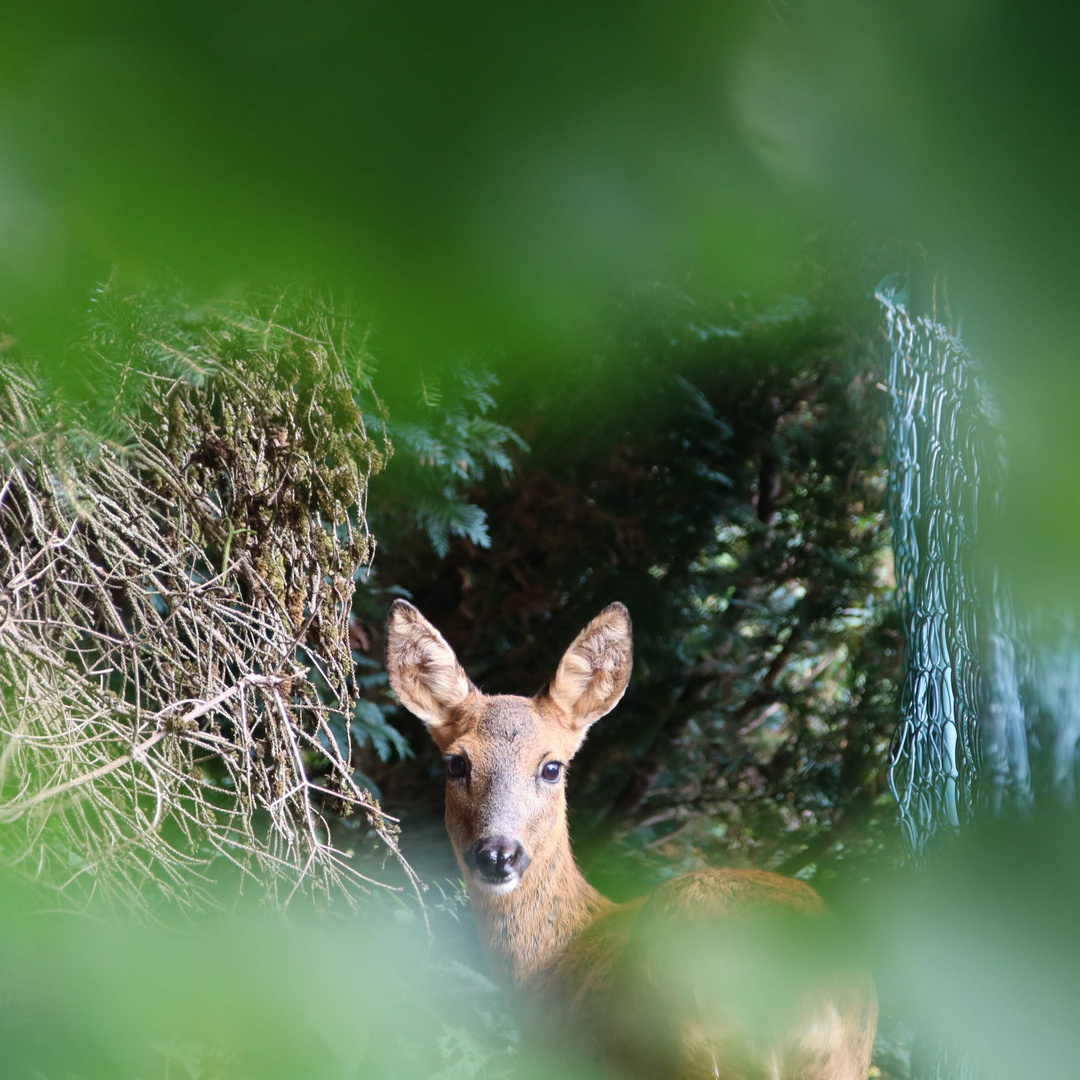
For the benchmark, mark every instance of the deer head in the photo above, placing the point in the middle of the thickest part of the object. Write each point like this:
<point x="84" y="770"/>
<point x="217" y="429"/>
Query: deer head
<point x="506" y="756"/>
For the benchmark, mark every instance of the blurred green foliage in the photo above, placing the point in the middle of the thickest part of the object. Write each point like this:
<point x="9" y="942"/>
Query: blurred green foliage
<point x="984" y="943"/>
<point x="446" y="443"/>
<point x="500" y="175"/>
<point x="242" y="996"/>
<point x="496" y="174"/>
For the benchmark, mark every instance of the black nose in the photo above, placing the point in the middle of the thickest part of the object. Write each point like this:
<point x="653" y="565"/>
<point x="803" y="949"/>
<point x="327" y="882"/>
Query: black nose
<point x="496" y="859"/>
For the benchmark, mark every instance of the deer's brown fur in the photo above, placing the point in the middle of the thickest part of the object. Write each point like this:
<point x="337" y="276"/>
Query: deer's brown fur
<point x="547" y="930"/>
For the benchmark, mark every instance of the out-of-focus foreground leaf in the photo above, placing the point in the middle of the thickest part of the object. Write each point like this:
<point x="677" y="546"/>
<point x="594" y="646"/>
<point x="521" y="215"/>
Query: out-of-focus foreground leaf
<point x="498" y="173"/>
<point x="991" y="956"/>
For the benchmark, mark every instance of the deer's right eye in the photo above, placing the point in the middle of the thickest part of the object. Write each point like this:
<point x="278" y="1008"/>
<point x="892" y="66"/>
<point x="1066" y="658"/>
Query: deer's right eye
<point x="552" y="771"/>
<point x="456" y="766"/>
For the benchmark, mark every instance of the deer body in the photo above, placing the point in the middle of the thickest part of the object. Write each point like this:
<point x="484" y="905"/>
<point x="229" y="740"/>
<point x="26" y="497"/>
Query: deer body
<point x="591" y="963"/>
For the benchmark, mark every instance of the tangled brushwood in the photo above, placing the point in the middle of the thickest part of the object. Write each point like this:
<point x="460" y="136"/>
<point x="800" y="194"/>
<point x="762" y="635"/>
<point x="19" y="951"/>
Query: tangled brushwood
<point x="177" y="561"/>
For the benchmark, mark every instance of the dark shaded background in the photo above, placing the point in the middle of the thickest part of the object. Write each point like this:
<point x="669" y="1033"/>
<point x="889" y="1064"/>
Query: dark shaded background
<point x="722" y="471"/>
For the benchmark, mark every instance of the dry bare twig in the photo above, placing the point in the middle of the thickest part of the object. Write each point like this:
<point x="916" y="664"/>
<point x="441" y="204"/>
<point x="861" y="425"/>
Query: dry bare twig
<point x="175" y="667"/>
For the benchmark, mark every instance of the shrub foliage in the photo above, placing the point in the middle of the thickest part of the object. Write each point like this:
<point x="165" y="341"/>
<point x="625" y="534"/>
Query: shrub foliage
<point x="178" y="555"/>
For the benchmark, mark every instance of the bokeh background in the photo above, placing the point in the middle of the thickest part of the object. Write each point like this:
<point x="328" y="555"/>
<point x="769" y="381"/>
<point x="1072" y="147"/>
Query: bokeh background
<point x="615" y="267"/>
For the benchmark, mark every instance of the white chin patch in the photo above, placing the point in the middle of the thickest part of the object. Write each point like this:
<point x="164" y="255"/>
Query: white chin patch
<point x="495" y="889"/>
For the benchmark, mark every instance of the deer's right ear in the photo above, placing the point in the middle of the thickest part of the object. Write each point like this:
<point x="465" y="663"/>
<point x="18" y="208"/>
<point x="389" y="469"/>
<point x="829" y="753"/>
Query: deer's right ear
<point x="424" y="672"/>
<point x="594" y="672"/>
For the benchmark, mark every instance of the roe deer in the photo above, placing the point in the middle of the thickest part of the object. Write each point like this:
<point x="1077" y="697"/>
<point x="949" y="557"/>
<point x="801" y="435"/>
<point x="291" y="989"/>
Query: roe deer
<point x="547" y="929"/>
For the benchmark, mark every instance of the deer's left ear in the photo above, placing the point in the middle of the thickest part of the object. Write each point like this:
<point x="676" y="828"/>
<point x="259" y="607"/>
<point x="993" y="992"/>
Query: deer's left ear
<point x="424" y="672"/>
<point x="595" y="670"/>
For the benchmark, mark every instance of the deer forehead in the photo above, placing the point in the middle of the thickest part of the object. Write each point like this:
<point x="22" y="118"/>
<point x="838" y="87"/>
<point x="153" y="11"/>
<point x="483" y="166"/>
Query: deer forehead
<point x="505" y="727"/>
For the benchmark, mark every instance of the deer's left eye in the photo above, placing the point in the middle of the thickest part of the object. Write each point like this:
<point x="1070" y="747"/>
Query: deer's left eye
<point x="551" y="772"/>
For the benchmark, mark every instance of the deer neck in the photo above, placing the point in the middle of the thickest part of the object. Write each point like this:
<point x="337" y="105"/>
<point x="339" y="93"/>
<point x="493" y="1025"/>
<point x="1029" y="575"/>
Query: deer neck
<point x="525" y="932"/>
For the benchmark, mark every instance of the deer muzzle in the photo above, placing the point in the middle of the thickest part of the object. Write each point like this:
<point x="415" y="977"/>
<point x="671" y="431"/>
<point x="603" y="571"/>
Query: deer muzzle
<point x="497" y="863"/>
